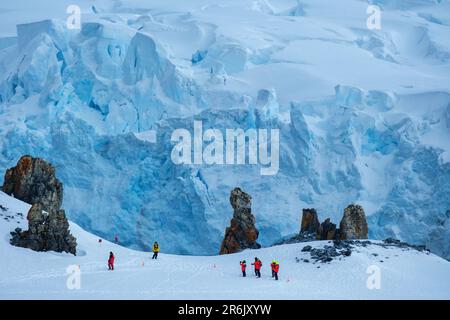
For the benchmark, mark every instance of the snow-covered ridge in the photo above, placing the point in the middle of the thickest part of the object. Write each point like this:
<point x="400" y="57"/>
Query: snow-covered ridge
<point x="364" y="116"/>
<point x="26" y="274"/>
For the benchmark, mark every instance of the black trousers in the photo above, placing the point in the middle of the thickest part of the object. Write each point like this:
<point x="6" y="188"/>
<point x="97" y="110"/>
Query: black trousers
<point x="244" y="274"/>
<point x="258" y="273"/>
<point x="275" y="275"/>
<point x="155" y="255"/>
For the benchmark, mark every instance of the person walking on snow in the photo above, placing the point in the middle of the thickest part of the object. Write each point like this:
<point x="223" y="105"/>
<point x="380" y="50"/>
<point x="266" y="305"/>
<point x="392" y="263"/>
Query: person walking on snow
<point x="275" y="268"/>
<point x="111" y="261"/>
<point x="243" y="266"/>
<point x="258" y="265"/>
<point x="155" y="250"/>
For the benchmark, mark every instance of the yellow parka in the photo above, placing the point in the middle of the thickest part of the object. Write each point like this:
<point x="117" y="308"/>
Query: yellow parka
<point x="155" y="248"/>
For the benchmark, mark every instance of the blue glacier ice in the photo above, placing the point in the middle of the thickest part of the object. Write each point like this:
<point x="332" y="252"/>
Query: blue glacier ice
<point x="84" y="100"/>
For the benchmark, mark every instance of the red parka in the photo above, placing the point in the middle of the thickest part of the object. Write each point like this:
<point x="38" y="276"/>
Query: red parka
<point x="257" y="265"/>
<point x="111" y="259"/>
<point x="243" y="266"/>
<point x="275" y="267"/>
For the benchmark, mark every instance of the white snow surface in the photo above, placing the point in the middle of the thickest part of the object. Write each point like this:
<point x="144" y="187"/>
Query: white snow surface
<point x="26" y="274"/>
<point x="364" y="115"/>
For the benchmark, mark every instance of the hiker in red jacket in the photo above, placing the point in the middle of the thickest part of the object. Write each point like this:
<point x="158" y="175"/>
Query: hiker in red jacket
<point x="111" y="261"/>
<point x="258" y="265"/>
<point x="243" y="266"/>
<point x="275" y="268"/>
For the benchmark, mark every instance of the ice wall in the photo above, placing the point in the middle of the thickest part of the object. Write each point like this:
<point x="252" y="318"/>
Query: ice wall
<point x="86" y="99"/>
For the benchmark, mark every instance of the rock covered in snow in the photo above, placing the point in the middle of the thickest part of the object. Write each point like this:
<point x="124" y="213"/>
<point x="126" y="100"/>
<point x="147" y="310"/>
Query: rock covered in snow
<point x="391" y="242"/>
<point x="33" y="180"/>
<point x="353" y="224"/>
<point x="306" y="248"/>
<point x="329" y="252"/>
<point x="344" y="248"/>
<point x="242" y="233"/>
<point x="301" y="237"/>
<point x="46" y="232"/>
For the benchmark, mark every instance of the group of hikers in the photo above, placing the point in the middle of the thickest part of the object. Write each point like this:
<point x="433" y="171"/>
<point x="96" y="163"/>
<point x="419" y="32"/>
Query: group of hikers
<point x="111" y="258"/>
<point x="257" y="264"/>
<point x="275" y="266"/>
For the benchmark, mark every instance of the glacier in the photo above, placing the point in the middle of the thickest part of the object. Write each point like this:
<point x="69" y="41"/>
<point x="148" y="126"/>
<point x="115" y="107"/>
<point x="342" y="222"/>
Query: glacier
<point x="364" y="115"/>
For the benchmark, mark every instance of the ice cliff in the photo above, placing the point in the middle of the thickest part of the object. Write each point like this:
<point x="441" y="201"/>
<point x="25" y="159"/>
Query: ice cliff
<point x="364" y="116"/>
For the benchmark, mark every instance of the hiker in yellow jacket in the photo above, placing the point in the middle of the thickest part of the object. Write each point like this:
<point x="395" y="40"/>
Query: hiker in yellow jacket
<point x="155" y="250"/>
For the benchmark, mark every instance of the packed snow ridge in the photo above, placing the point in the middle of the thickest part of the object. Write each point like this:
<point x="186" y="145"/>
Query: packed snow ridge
<point x="364" y="115"/>
<point x="371" y="272"/>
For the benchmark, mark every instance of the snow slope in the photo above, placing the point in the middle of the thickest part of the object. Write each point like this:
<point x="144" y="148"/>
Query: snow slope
<point x="25" y="274"/>
<point x="364" y="115"/>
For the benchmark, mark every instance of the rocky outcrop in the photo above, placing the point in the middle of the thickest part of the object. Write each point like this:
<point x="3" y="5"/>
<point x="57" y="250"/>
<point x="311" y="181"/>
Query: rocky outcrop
<point x="353" y="224"/>
<point x="340" y="249"/>
<point x="391" y="242"/>
<point x="310" y="221"/>
<point x="46" y="232"/>
<point x="328" y="230"/>
<point x="329" y="252"/>
<point x="242" y="233"/>
<point x="33" y="180"/>
<point x="301" y="237"/>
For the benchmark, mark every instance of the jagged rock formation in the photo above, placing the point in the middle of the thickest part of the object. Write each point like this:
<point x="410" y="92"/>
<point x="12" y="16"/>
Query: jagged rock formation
<point x="33" y="180"/>
<point x="310" y="221"/>
<point x="242" y="233"/>
<point x="328" y="230"/>
<point x="309" y="228"/>
<point x="353" y="224"/>
<point x="46" y="232"/>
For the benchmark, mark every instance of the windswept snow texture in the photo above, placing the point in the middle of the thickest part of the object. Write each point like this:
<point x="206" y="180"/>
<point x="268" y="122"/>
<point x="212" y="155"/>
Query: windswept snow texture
<point x="364" y="115"/>
<point x="26" y="274"/>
